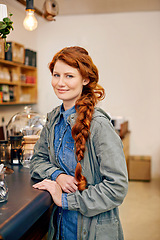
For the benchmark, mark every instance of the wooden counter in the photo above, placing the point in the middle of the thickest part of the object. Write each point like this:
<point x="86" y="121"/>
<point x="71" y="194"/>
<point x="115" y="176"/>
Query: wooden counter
<point x="25" y="208"/>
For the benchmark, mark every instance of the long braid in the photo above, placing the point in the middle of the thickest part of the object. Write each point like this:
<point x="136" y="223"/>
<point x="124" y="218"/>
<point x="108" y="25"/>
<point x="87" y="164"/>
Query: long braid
<point x="78" y="57"/>
<point x="80" y="132"/>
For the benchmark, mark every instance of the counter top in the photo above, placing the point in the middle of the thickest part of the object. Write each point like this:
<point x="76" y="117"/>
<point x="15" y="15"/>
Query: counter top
<point x="25" y="204"/>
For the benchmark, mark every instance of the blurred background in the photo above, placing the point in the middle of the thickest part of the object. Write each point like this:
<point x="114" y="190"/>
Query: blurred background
<point x="123" y="39"/>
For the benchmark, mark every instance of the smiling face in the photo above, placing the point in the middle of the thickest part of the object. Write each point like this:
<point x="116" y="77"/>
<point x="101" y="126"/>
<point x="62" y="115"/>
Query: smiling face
<point x="67" y="83"/>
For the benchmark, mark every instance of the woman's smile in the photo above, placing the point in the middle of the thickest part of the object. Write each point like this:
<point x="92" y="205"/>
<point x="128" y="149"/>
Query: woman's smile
<point x="62" y="90"/>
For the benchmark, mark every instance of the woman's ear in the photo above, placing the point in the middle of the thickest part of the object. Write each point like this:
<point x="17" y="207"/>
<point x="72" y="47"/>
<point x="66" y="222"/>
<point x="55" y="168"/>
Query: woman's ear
<point x="85" y="82"/>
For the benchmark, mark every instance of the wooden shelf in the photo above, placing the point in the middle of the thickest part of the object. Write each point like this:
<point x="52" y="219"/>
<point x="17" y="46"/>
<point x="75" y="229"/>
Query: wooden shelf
<point x="15" y="64"/>
<point x="8" y="83"/>
<point x="27" y="84"/>
<point x="27" y="67"/>
<point x="24" y="93"/>
<point x="9" y="63"/>
<point x="17" y="103"/>
<point x="8" y="103"/>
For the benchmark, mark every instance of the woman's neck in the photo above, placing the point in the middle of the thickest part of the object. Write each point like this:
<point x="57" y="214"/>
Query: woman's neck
<point x="67" y="106"/>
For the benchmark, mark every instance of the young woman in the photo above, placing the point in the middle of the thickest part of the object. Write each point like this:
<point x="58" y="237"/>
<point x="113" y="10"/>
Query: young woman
<point x="79" y="157"/>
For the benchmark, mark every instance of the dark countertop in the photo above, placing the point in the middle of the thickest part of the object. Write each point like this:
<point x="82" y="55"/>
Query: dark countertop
<point x="25" y="204"/>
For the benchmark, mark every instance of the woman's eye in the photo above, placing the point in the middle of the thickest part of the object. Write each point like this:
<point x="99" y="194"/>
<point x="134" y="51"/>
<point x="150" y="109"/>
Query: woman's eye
<point x="69" y="76"/>
<point x="56" y="75"/>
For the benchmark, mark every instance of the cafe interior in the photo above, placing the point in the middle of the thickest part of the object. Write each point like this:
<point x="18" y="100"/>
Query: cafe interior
<point x="123" y="39"/>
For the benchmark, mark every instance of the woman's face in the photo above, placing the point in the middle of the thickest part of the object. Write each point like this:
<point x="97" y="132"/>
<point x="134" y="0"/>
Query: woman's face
<point x="67" y="83"/>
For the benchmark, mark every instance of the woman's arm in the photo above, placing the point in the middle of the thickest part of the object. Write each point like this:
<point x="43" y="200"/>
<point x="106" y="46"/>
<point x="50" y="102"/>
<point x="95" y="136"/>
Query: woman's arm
<point x="53" y="188"/>
<point x="68" y="183"/>
<point x="41" y="166"/>
<point x="110" y="192"/>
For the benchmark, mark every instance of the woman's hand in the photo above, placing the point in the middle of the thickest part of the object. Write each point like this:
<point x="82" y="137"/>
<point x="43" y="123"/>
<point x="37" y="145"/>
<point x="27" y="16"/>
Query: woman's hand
<point x="68" y="183"/>
<point x="53" y="188"/>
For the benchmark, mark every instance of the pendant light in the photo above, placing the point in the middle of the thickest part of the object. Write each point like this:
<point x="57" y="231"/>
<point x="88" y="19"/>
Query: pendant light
<point x="3" y="11"/>
<point x="30" y="22"/>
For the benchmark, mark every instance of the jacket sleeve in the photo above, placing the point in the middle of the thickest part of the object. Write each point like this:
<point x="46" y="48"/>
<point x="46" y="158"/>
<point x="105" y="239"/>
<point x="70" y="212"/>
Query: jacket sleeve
<point x="42" y="164"/>
<point x="112" y="188"/>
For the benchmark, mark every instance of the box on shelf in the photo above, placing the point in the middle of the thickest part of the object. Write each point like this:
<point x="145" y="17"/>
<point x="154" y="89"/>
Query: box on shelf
<point x="4" y="88"/>
<point x="23" y="78"/>
<point x="11" y="93"/>
<point x="139" y="168"/>
<point x="2" y="53"/>
<point x="14" y="75"/>
<point x="30" y="58"/>
<point x="15" y="52"/>
<point x="30" y="79"/>
<point x="1" y="96"/>
<point x="34" y="59"/>
<point x="5" y="93"/>
<point x="25" y="97"/>
<point x="5" y="74"/>
<point x="126" y="146"/>
<point x="123" y="129"/>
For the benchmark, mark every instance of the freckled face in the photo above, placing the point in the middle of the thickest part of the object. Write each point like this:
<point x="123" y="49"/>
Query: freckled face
<point x="67" y="83"/>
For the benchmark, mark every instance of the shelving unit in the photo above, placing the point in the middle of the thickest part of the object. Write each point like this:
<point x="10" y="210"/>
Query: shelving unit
<point x="24" y="93"/>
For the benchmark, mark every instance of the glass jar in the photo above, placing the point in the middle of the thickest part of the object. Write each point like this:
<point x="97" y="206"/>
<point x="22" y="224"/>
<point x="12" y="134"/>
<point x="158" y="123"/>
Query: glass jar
<point x="3" y="188"/>
<point x="16" y="149"/>
<point x="28" y="146"/>
<point x="4" y="151"/>
<point x="25" y="123"/>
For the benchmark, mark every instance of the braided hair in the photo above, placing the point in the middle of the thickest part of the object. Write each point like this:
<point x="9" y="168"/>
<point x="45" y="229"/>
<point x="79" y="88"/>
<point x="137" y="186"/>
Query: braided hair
<point x="79" y="58"/>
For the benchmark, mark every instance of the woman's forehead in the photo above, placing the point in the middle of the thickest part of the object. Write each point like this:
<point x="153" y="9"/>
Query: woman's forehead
<point x="64" y="67"/>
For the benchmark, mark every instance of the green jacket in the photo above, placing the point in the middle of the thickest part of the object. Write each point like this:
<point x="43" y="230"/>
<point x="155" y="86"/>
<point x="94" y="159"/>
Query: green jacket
<point x="104" y="167"/>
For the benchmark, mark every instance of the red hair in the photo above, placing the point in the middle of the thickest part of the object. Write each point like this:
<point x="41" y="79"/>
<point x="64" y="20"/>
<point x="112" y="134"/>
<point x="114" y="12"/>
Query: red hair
<point x="79" y="58"/>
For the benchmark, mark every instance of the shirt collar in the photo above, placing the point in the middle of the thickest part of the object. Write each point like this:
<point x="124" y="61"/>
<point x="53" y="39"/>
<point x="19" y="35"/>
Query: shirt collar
<point x="67" y="113"/>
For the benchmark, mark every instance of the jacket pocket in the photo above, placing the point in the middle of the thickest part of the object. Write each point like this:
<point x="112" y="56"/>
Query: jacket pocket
<point x="107" y="230"/>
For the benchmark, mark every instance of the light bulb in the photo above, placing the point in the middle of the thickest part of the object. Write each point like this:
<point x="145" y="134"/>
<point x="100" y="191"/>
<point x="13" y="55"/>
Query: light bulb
<point x="30" y="22"/>
<point x="3" y="11"/>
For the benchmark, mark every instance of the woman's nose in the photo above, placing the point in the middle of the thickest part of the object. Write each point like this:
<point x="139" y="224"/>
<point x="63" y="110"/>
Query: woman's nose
<point x="61" y="81"/>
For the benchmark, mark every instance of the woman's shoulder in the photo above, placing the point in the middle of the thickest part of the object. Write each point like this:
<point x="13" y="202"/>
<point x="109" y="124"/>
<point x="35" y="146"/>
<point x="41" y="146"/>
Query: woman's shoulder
<point x="53" y="113"/>
<point x="100" y="115"/>
<point x="101" y="124"/>
<point x="101" y="120"/>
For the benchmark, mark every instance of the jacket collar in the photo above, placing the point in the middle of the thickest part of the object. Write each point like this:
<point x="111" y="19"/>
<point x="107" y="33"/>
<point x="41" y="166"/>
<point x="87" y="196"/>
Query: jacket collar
<point x="55" y="114"/>
<point x="52" y="116"/>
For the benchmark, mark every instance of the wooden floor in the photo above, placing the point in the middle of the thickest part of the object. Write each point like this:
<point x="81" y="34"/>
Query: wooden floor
<point x="140" y="211"/>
